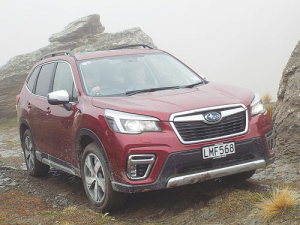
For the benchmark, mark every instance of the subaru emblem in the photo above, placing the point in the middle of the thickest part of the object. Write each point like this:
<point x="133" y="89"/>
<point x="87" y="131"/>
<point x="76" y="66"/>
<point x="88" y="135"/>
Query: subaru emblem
<point x="212" y="117"/>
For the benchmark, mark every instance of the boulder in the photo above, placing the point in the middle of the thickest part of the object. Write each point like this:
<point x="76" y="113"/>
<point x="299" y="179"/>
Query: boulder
<point x="83" y="35"/>
<point x="84" y="27"/>
<point x="286" y="114"/>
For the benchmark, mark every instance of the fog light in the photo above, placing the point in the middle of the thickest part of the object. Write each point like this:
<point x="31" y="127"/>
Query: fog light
<point x="133" y="171"/>
<point x="139" y="166"/>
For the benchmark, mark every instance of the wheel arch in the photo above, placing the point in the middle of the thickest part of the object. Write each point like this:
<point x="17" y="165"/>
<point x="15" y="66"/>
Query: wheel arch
<point x="24" y="125"/>
<point x="85" y="137"/>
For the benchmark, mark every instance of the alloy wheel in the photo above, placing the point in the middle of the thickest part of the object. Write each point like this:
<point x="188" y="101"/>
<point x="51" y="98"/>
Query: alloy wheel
<point x="29" y="153"/>
<point x="94" y="177"/>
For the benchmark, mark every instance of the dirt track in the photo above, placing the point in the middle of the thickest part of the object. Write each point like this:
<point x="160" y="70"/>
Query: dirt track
<point x="211" y="202"/>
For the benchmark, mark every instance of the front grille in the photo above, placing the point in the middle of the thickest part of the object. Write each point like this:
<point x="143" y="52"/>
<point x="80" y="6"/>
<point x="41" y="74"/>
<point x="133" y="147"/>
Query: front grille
<point x="197" y="131"/>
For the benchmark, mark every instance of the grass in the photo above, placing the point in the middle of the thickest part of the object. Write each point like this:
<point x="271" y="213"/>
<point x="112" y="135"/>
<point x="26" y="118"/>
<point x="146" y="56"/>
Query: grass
<point x="20" y="208"/>
<point x="238" y="201"/>
<point x="270" y="108"/>
<point x="74" y="215"/>
<point x="282" y="200"/>
<point x="277" y="206"/>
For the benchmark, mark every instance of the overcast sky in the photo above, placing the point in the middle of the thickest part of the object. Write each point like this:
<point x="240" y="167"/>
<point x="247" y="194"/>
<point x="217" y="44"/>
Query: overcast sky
<point x="241" y="42"/>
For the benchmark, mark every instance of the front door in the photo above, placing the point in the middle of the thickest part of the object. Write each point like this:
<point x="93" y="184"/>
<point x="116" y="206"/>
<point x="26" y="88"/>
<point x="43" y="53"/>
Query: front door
<point x="52" y="125"/>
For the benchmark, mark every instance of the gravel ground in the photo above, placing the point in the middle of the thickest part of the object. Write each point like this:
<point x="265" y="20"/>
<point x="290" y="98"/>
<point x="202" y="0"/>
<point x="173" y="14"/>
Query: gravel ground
<point x="193" y="204"/>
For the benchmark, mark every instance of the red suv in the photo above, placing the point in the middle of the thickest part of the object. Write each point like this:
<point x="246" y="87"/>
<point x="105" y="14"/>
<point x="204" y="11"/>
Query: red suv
<point x="134" y="120"/>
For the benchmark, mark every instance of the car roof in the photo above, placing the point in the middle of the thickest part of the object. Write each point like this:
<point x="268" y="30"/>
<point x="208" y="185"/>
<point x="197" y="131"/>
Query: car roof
<point x="116" y="51"/>
<point x="101" y="54"/>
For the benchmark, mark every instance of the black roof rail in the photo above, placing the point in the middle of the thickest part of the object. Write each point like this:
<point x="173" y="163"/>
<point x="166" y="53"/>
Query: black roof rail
<point x="130" y="46"/>
<point x="64" y="52"/>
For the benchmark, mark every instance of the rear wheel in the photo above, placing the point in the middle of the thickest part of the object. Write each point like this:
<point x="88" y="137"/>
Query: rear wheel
<point x="34" y="167"/>
<point x="96" y="180"/>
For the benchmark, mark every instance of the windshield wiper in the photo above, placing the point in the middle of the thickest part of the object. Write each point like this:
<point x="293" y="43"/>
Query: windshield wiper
<point x="150" y="90"/>
<point x="192" y="85"/>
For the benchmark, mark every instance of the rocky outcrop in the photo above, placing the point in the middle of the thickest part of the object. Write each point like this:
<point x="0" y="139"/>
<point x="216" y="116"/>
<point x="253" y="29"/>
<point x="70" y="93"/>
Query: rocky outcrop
<point x="78" y="29"/>
<point x="286" y="114"/>
<point x="83" y="35"/>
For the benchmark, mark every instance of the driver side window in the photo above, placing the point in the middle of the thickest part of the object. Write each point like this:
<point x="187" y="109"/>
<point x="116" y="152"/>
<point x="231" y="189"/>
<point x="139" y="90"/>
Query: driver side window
<point x="63" y="80"/>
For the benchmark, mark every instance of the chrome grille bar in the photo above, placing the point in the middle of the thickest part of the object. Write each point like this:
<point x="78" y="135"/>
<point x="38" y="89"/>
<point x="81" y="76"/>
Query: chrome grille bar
<point x="190" y="126"/>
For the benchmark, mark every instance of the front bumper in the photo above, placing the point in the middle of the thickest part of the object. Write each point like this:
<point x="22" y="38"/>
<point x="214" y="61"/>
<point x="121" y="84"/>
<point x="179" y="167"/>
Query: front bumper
<point x="213" y="174"/>
<point x="188" y="167"/>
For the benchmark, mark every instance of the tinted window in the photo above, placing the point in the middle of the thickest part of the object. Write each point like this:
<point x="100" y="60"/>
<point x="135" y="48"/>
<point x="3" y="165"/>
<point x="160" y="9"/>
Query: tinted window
<point x="32" y="78"/>
<point x="44" y="79"/>
<point x="63" y="80"/>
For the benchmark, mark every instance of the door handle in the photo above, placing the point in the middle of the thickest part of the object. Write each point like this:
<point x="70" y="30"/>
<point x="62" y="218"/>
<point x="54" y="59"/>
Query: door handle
<point x="48" y="111"/>
<point x="28" y="107"/>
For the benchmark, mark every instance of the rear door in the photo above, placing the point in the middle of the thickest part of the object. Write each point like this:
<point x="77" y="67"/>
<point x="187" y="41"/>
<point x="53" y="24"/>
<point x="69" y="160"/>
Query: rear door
<point x="52" y="124"/>
<point x="39" y="107"/>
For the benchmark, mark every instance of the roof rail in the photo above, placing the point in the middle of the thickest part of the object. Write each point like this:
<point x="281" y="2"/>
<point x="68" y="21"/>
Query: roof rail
<point x="129" y="46"/>
<point x="64" y="52"/>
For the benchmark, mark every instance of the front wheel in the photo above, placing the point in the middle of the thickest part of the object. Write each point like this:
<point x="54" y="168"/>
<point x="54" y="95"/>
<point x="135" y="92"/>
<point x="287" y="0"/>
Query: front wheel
<point x="34" y="167"/>
<point x="96" y="180"/>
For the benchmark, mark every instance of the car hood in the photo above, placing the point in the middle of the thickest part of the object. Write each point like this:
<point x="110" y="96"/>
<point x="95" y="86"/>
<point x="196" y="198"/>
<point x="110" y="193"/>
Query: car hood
<point x="162" y="104"/>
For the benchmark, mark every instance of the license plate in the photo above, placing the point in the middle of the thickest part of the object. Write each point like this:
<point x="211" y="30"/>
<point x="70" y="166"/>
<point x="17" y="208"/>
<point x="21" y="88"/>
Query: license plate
<point x="218" y="150"/>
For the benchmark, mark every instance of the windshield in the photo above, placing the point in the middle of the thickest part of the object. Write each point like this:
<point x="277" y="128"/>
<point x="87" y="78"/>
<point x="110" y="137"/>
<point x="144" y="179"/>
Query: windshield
<point x="120" y="75"/>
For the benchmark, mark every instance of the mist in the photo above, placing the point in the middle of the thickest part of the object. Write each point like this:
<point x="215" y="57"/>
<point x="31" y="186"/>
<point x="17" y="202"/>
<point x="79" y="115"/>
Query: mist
<point x="244" y="43"/>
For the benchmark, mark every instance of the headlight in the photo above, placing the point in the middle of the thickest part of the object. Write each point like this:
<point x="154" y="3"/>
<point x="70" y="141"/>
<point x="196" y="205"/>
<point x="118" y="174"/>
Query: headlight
<point x="131" y="123"/>
<point x="257" y="106"/>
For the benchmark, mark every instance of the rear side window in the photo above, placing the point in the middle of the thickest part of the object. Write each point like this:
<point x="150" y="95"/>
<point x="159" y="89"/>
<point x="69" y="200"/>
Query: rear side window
<point x="32" y="78"/>
<point x="44" y="80"/>
<point x="63" y="80"/>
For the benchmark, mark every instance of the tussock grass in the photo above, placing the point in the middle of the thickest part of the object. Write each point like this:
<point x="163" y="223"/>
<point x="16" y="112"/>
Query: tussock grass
<point x="282" y="199"/>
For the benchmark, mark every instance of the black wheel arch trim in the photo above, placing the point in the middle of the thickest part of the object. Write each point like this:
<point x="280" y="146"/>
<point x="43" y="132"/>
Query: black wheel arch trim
<point x="23" y="121"/>
<point x="96" y="139"/>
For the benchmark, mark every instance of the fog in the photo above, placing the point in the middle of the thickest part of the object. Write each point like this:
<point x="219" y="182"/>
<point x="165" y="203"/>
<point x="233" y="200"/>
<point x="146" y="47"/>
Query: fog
<point x="244" y="43"/>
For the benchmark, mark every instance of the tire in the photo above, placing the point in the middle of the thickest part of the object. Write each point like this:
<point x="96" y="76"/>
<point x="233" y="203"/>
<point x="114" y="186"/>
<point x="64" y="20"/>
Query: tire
<point x="96" y="180"/>
<point x="34" y="167"/>
<point x="239" y="177"/>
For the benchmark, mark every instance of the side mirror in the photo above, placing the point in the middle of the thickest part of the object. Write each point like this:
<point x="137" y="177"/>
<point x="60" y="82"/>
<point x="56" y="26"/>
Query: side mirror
<point x="58" y="97"/>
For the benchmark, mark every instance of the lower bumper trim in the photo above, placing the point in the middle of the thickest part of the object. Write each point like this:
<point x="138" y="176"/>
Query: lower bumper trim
<point x="213" y="174"/>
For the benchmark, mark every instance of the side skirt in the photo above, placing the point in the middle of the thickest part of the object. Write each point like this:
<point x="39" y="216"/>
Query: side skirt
<point x="57" y="163"/>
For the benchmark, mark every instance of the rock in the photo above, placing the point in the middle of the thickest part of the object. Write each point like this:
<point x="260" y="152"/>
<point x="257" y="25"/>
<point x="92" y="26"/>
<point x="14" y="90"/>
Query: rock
<point x="84" y="27"/>
<point x="82" y="35"/>
<point x="286" y="114"/>
<point x="85" y="34"/>
<point x="109" y="41"/>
